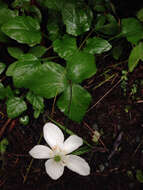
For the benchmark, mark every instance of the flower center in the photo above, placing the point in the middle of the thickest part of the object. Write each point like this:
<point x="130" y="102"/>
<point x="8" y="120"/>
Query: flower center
<point x="57" y="158"/>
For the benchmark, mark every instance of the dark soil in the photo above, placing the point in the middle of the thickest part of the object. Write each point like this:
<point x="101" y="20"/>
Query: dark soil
<point x="113" y="161"/>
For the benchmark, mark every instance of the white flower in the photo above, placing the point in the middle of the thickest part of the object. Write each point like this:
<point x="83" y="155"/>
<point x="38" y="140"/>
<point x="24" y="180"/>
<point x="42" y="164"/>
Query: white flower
<point x="58" y="155"/>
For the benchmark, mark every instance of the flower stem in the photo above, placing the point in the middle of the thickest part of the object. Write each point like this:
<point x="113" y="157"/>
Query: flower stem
<point x="68" y="131"/>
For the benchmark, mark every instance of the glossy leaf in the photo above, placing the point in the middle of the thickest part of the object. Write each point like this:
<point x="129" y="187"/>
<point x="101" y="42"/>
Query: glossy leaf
<point x="74" y="105"/>
<point x="77" y="20"/>
<point x="38" y="51"/>
<point x="97" y="45"/>
<point x="81" y="66"/>
<point x="52" y="4"/>
<point x="2" y="67"/>
<point x="65" y="47"/>
<point x="132" y="29"/>
<point x="135" y="55"/>
<point x="2" y="91"/>
<point x="15" y="107"/>
<point x="35" y="100"/>
<point x="6" y="15"/>
<point x="25" y="70"/>
<point x="11" y="68"/>
<point x="23" y="29"/>
<point x="15" y="52"/>
<point x="50" y="80"/>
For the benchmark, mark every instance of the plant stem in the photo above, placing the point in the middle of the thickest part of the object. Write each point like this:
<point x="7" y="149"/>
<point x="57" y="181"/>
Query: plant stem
<point x="68" y="131"/>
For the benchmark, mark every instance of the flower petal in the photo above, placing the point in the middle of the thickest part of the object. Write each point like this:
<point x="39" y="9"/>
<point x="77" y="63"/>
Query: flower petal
<point x="54" y="169"/>
<point x="72" y="143"/>
<point x="77" y="164"/>
<point x="53" y="135"/>
<point x="41" y="152"/>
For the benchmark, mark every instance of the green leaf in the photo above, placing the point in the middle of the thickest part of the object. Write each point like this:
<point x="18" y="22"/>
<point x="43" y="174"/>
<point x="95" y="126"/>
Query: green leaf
<point x="52" y="4"/>
<point x="35" y="100"/>
<point x="15" y="107"/>
<point x="107" y="25"/>
<point x="135" y="55"/>
<point x="2" y="91"/>
<point x="20" y="3"/>
<point x="38" y="51"/>
<point x="24" y="120"/>
<point x="77" y="20"/>
<point x="65" y="47"/>
<point x="82" y="150"/>
<point x="3" y="37"/>
<point x="53" y="30"/>
<point x="140" y="15"/>
<point x="54" y="25"/>
<point x="23" y="29"/>
<point x="37" y="113"/>
<point x="15" y="52"/>
<point x="49" y="81"/>
<point x="139" y="176"/>
<point x="25" y="70"/>
<point x="9" y="92"/>
<point x="34" y="12"/>
<point x="117" y="51"/>
<point x="97" y="45"/>
<point x="132" y="29"/>
<point x="2" y="67"/>
<point x="3" y="145"/>
<point x="81" y="66"/>
<point x="78" y="102"/>
<point x="11" y="68"/>
<point x="6" y="15"/>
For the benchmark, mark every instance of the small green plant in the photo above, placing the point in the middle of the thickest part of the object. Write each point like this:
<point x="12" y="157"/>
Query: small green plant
<point x="52" y="56"/>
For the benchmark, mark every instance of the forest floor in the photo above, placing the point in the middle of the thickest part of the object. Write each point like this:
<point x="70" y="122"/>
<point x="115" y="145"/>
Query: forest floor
<point x="116" y="113"/>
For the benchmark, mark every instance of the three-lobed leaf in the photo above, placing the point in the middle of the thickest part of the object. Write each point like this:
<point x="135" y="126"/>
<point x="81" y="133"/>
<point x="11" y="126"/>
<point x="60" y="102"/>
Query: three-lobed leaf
<point x="74" y="102"/>
<point x="81" y="66"/>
